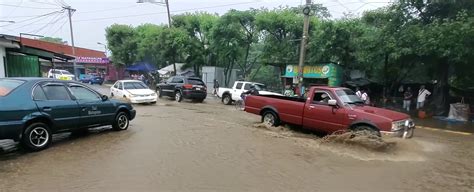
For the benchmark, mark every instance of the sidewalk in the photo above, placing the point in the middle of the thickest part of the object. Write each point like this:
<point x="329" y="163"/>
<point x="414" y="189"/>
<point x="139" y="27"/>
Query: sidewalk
<point x="466" y="128"/>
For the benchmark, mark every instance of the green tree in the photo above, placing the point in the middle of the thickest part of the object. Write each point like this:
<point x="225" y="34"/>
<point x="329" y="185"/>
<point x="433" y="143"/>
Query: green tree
<point x="122" y="42"/>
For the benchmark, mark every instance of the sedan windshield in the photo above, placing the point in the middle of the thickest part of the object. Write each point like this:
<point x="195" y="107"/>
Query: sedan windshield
<point x="348" y="96"/>
<point x="134" y="85"/>
<point x="66" y="73"/>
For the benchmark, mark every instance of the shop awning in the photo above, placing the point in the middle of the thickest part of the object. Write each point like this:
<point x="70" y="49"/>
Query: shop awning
<point x="141" y="66"/>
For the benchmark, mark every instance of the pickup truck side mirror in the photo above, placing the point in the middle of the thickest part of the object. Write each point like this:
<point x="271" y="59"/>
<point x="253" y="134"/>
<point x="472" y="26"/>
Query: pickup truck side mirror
<point x="332" y="102"/>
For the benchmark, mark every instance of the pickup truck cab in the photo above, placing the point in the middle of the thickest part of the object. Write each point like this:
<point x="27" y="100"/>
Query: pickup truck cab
<point x="229" y="95"/>
<point x="329" y="109"/>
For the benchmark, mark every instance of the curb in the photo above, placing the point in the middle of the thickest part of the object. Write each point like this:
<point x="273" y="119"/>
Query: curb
<point x="443" y="130"/>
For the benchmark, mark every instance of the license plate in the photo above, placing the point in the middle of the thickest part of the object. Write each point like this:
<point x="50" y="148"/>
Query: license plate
<point x="198" y="89"/>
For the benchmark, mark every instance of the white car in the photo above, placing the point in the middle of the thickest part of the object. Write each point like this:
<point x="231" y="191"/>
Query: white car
<point x="229" y="95"/>
<point x="133" y="91"/>
<point x="61" y="74"/>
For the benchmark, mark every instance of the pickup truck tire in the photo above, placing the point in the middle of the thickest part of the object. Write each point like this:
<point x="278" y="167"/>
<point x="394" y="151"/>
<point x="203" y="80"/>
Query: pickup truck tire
<point x="226" y="99"/>
<point x="37" y="137"/>
<point x="366" y="128"/>
<point x="270" y="118"/>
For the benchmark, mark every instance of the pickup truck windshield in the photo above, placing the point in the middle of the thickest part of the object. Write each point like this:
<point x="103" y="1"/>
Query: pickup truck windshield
<point x="6" y="86"/>
<point x="134" y="85"/>
<point x="348" y="96"/>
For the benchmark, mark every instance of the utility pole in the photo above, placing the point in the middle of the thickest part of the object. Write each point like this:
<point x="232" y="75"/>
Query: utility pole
<point x="168" y="10"/>
<point x="306" y="12"/>
<point x="69" y="11"/>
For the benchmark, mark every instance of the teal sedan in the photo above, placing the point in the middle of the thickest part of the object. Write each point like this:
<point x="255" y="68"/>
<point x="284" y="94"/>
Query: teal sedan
<point x="32" y="109"/>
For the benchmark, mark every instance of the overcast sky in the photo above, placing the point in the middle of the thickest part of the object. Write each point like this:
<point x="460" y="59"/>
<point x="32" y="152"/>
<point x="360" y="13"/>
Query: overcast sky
<point x="93" y="16"/>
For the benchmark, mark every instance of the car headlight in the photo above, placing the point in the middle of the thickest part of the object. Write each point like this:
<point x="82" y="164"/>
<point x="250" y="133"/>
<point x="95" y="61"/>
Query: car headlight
<point x="153" y="94"/>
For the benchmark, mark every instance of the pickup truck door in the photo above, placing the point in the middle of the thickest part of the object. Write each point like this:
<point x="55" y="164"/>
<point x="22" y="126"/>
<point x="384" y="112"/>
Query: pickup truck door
<point x="237" y="91"/>
<point x="319" y="115"/>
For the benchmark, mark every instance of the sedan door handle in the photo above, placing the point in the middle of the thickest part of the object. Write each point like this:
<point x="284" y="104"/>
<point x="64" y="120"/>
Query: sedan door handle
<point x="311" y="107"/>
<point x="47" y="109"/>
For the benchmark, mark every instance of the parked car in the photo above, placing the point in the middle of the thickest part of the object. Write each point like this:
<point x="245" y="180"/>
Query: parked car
<point x="61" y="74"/>
<point x="180" y="87"/>
<point x="229" y="95"/>
<point x="134" y="91"/>
<point x="32" y="109"/>
<point x="92" y="79"/>
<point x="329" y="109"/>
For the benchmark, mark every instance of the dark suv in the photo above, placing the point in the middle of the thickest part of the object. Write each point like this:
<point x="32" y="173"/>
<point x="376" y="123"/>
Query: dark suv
<point x="181" y="87"/>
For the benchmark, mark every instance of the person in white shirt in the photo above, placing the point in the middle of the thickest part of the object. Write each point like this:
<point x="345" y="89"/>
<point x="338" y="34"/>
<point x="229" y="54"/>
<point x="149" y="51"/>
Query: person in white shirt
<point x="422" y="93"/>
<point x="365" y="97"/>
<point x="358" y="92"/>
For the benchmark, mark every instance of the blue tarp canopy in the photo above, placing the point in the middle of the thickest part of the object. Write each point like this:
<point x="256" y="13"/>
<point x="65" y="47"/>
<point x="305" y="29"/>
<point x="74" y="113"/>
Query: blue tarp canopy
<point x="141" y="66"/>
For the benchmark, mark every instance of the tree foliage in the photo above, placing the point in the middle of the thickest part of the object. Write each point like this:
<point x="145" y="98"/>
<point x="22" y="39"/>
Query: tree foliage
<point x="406" y="41"/>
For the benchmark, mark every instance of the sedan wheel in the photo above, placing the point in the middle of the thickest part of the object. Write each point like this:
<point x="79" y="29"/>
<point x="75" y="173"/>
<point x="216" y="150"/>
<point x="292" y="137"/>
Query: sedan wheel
<point x="178" y="97"/>
<point x="121" y="122"/>
<point x="37" y="137"/>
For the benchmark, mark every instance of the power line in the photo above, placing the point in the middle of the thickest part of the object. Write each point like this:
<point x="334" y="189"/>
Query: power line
<point x="53" y="21"/>
<point x="8" y="5"/>
<point x="29" y="24"/>
<point x="36" y="17"/>
<point x="111" y="9"/>
<point x="61" y="27"/>
<point x="157" y="13"/>
<point x="44" y="3"/>
<point x="14" y="9"/>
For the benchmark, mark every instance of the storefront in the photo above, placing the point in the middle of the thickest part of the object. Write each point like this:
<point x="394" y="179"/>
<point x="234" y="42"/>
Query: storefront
<point x="322" y="74"/>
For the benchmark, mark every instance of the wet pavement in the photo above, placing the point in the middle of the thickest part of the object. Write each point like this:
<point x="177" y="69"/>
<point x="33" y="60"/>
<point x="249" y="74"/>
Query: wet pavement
<point x="211" y="147"/>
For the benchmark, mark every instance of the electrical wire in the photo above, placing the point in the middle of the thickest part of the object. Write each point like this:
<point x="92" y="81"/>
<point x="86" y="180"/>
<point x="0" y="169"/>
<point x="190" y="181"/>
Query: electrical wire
<point x="35" y="20"/>
<point x="53" y="21"/>
<point x="61" y="27"/>
<point x="35" y="17"/>
<point x="111" y="9"/>
<point x="14" y="9"/>
<point x="157" y="13"/>
<point x="44" y="3"/>
<point x="8" y="5"/>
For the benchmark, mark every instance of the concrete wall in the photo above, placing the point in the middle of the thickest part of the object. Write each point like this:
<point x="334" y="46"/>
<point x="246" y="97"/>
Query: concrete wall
<point x="3" y="59"/>
<point x="209" y="73"/>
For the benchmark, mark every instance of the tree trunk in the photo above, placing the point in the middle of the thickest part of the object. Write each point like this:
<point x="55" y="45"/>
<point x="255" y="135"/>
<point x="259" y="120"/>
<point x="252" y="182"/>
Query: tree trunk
<point x="440" y="95"/>
<point x="385" y="75"/>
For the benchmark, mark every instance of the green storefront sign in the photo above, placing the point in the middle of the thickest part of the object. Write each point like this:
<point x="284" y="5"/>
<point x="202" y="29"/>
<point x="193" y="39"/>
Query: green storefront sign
<point x="330" y="71"/>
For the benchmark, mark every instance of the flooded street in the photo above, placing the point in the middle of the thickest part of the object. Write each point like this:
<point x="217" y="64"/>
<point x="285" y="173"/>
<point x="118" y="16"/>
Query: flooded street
<point x="211" y="147"/>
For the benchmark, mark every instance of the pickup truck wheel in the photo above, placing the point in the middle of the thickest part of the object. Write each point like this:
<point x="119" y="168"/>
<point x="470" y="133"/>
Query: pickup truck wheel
<point x="368" y="129"/>
<point x="37" y="137"/>
<point x="226" y="99"/>
<point x="270" y="118"/>
<point x="121" y="121"/>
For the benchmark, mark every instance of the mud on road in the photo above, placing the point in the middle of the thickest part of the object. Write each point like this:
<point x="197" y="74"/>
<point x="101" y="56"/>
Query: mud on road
<point x="211" y="147"/>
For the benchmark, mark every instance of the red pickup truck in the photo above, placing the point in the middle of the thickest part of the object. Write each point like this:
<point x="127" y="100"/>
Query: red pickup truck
<point x="329" y="109"/>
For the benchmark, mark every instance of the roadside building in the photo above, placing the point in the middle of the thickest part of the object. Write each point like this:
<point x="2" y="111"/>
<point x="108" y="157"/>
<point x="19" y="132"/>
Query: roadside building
<point x="18" y="60"/>
<point x="323" y="74"/>
<point x="87" y="60"/>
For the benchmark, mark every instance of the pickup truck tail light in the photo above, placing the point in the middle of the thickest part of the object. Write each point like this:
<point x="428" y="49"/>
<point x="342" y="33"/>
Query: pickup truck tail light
<point x="188" y="86"/>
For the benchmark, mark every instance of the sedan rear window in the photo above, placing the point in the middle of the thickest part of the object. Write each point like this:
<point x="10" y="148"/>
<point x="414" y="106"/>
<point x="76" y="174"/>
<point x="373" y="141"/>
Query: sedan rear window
<point x="195" y="82"/>
<point x="7" y="86"/>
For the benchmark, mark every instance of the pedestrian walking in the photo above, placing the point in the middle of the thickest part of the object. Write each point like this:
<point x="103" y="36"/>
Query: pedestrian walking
<point x="422" y="94"/>
<point x="216" y="86"/>
<point x="407" y="96"/>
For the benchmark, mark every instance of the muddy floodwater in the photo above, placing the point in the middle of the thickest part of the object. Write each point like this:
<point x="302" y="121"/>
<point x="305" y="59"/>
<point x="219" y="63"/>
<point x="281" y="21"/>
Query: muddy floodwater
<point x="211" y="147"/>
